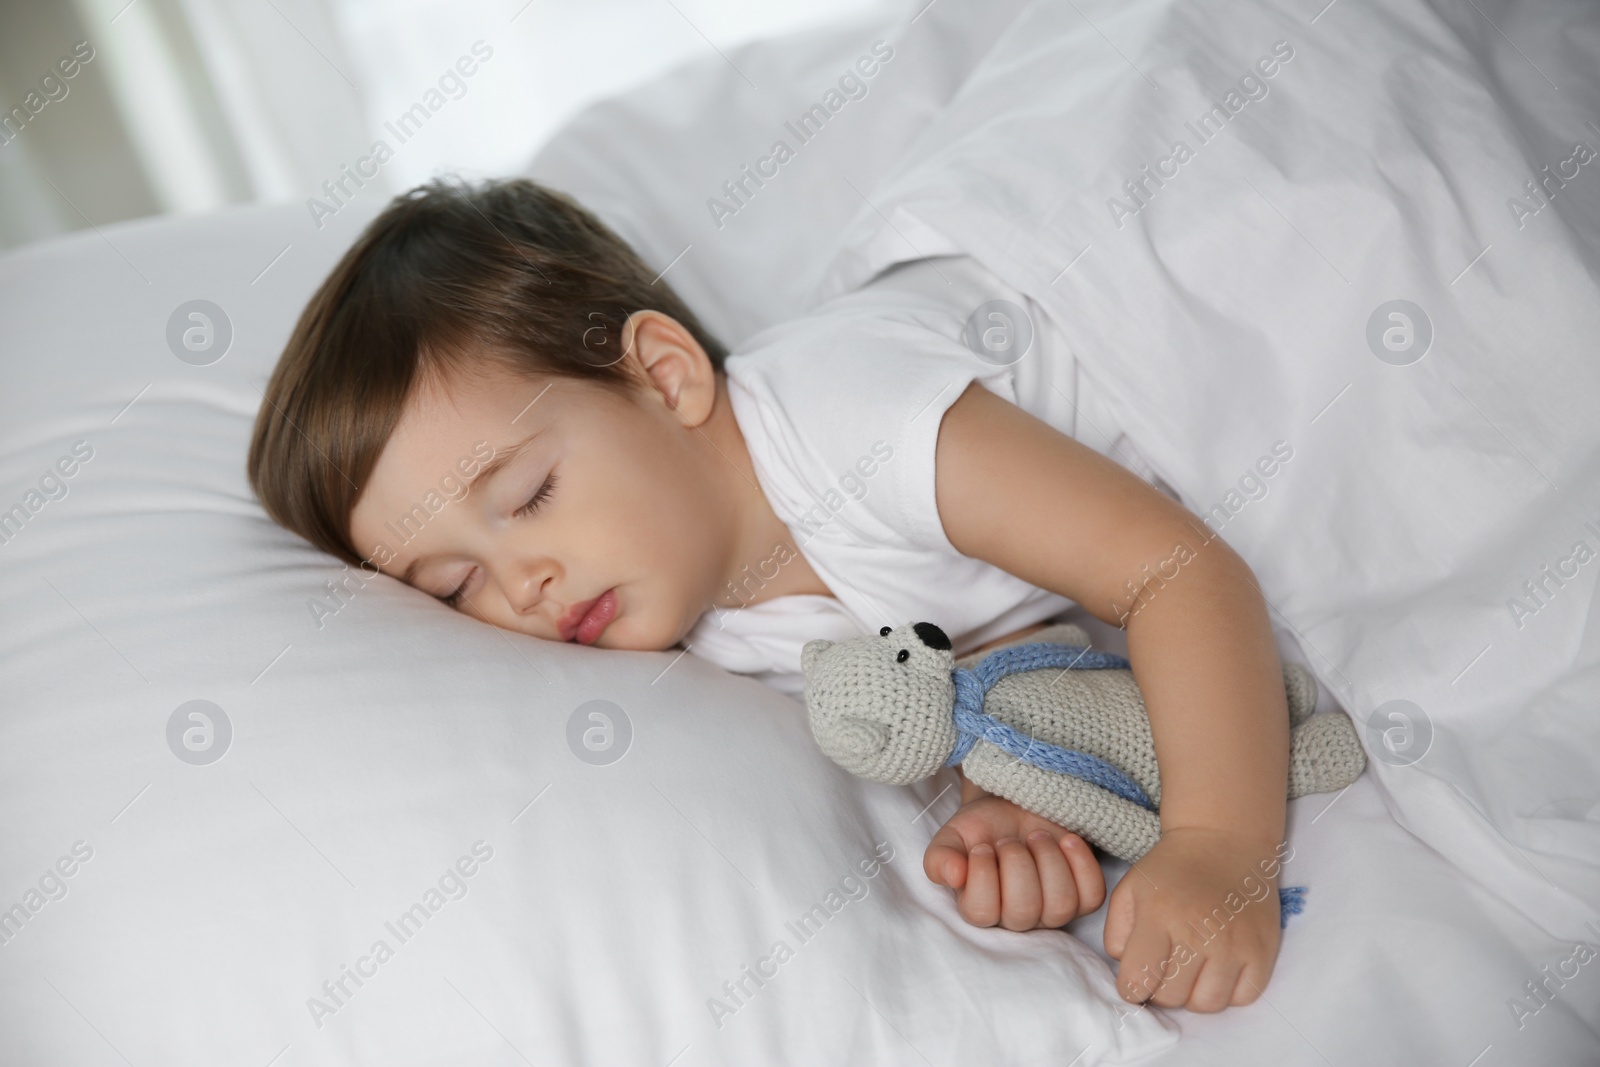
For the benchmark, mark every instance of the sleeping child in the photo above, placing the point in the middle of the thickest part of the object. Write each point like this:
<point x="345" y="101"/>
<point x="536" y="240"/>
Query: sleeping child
<point x="493" y="399"/>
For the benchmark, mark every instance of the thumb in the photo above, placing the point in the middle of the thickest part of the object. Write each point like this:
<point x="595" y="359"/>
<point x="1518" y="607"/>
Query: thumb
<point x="1119" y="919"/>
<point x="945" y="861"/>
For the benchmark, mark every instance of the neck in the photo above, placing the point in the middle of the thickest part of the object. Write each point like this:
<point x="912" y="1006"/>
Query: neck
<point x="763" y="561"/>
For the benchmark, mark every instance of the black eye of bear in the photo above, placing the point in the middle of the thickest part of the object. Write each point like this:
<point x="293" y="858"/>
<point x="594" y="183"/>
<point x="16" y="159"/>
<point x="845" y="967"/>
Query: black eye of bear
<point x="902" y="656"/>
<point x="885" y="631"/>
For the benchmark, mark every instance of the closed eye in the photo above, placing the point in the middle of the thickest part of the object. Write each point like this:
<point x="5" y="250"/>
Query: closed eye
<point x="531" y="507"/>
<point x="454" y="599"/>
<point x="540" y="497"/>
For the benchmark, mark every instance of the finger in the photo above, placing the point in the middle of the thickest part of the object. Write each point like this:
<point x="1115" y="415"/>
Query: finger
<point x="1251" y="982"/>
<point x="1140" y="976"/>
<point x="979" y="902"/>
<point x="1087" y="876"/>
<point x="1058" y="890"/>
<point x="945" y="865"/>
<point x="945" y="860"/>
<point x="1213" y="986"/>
<point x="1119" y="919"/>
<point x="1020" y="896"/>
<point x="1184" y="970"/>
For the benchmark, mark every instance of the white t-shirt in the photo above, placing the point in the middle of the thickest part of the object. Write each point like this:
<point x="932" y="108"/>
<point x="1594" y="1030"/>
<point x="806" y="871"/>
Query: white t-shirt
<point x="840" y="411"/>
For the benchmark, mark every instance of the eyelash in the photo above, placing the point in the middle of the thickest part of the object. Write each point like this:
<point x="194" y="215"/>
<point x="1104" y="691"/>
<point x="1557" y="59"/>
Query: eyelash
<point x="531" y="507"/>
<point x="540" y="497"/>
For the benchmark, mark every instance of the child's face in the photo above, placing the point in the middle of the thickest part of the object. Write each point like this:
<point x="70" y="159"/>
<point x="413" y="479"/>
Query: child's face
<point x="629" y="505"/>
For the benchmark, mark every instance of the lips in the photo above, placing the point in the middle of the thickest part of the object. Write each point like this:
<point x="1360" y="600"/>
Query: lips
<point x="584" y="622"/>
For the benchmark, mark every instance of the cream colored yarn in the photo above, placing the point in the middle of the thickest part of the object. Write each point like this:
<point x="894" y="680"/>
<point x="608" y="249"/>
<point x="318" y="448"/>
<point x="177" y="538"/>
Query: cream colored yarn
<point x="888" y="717"/>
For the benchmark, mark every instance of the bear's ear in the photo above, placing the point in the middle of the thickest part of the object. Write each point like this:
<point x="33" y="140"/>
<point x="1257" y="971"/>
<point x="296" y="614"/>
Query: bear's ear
<point x="809" y="653"/>
<point x="854" y="743"/>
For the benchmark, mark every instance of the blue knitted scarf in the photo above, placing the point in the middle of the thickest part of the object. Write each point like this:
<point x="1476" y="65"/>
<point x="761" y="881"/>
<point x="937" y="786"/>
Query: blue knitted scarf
<point x="974" y="724"/>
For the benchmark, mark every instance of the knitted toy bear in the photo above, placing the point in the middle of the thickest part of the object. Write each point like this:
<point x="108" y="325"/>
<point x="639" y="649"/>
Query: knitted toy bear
<point x="1072" y="745"/>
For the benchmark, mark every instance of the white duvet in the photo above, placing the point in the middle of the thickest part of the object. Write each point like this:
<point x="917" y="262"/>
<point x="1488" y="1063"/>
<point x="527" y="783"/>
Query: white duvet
<point x="389" y="835"/>
<point x="1260" y="232"/>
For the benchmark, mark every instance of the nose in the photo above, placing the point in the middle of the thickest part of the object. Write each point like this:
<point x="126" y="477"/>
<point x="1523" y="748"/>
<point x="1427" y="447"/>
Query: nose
<point x="932" y="636"/>
<point x="528" y="584"/>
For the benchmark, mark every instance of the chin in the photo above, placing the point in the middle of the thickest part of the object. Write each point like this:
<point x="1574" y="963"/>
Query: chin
<point x="632" y="640"/>
<point x="630" y="632"/>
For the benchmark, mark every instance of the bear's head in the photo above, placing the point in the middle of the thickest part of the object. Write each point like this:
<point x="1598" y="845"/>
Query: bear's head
<point x="880" y="705"/>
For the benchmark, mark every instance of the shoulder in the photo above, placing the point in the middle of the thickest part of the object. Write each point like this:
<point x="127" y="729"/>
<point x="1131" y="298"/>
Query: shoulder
<point x="890" y="356"/>
<point x="842" y="407"/>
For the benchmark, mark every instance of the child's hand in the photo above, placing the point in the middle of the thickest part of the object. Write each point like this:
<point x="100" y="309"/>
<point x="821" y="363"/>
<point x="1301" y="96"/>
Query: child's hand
<point x="1191" y="875"/>
<point x="1003" y="873"/>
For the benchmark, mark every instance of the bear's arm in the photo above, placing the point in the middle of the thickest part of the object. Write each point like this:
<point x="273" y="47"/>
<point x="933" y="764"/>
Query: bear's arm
<point x="1118" y="826"/>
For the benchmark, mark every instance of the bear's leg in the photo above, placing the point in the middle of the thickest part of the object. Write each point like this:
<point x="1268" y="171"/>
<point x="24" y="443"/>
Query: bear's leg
<point x="1300" y="685"/>
<point x="1324" y="755"/>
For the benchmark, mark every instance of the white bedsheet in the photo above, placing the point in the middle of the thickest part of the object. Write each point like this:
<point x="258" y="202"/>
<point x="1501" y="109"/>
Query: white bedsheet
<point x="207" y="905"/>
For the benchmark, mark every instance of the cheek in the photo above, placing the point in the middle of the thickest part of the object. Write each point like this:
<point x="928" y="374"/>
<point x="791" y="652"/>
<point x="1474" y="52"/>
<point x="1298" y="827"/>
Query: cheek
<point x="647" y="501"/>
<point x="672" y="530"/>
<point x="647" y="526"/>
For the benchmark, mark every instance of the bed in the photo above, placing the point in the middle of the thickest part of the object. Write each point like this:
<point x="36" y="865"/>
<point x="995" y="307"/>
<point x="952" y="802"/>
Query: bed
<point x="259" y="809"/>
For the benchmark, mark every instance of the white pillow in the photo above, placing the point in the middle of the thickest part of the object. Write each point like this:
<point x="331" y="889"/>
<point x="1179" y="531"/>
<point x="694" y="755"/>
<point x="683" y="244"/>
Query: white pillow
<point x="222" y="877"/>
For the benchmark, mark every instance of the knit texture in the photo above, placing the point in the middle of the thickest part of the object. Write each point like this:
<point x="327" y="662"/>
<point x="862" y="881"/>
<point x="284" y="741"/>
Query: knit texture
<point x="881" y="706"/>
<point x="974" y="724"/>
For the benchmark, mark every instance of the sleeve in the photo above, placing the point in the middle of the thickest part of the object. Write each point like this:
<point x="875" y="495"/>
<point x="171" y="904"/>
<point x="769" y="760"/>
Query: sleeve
<point x="841" y="413"/>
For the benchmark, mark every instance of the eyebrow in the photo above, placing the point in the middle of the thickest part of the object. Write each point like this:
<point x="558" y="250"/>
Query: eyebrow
<point x="496" y="464"/>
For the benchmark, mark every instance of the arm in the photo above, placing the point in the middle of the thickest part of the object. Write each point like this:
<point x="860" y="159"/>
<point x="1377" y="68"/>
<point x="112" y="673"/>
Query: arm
<point x="1017" y="493"/>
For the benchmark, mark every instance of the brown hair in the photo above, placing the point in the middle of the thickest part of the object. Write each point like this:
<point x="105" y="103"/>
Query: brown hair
<point x="445" y="281"/>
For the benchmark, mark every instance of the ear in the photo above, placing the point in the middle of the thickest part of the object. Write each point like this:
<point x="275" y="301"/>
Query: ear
<point x="662" y="352"/>
<point x="809" y="654"/>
